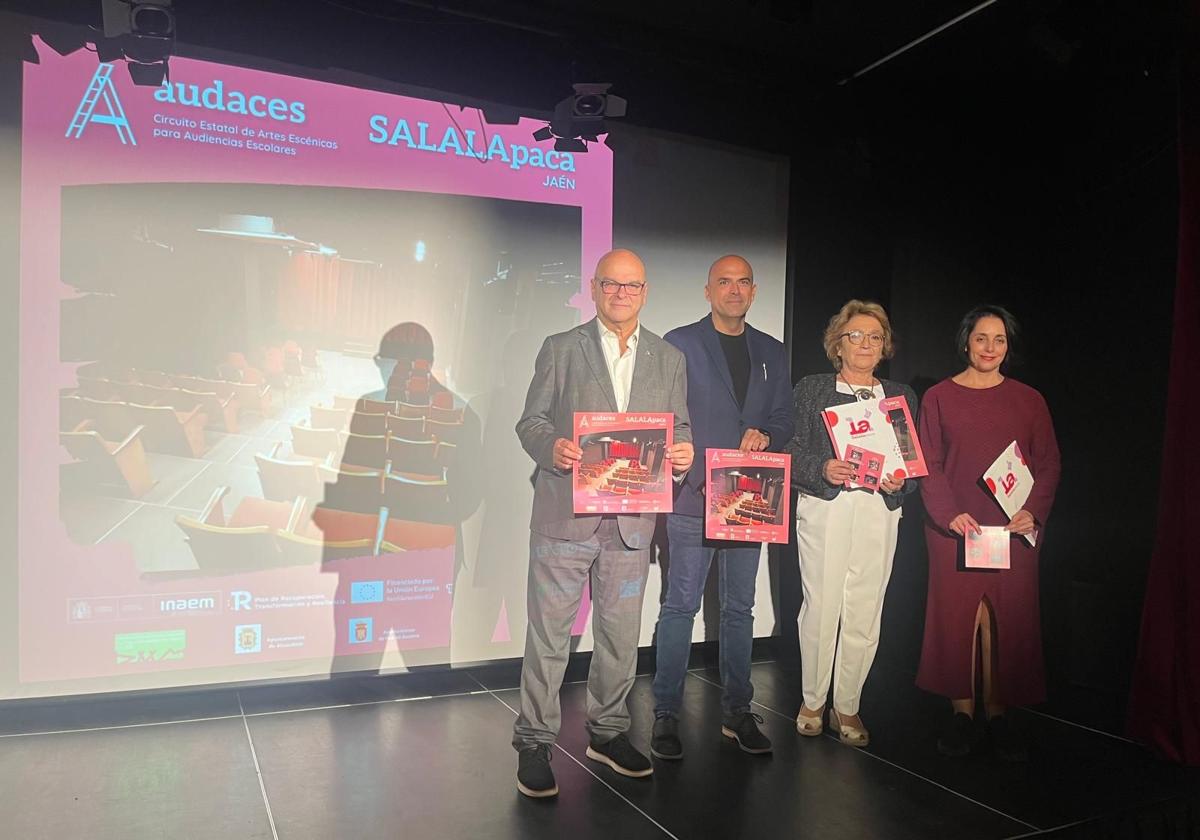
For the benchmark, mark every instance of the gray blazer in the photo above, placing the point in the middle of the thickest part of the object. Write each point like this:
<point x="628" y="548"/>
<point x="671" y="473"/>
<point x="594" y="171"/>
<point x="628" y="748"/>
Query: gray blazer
<point x="569" y="376"/>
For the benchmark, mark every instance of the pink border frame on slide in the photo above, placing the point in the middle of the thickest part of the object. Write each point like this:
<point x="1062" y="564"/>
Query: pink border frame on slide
<point x="52" y="568"/>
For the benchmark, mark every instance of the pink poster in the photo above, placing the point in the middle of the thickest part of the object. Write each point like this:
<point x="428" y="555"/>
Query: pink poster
<point x="748" y="495"/>
<point x="624" y="468"/>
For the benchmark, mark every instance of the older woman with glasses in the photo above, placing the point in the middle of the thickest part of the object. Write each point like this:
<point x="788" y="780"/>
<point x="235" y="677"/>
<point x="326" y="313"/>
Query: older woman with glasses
<point x="846" y="538"/>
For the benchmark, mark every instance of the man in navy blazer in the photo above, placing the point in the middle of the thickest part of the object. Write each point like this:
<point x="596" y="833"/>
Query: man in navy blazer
<point x="739" y="395"/>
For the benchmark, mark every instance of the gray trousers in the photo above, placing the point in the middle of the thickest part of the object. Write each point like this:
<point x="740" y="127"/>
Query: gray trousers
<point x="557" y="572"/>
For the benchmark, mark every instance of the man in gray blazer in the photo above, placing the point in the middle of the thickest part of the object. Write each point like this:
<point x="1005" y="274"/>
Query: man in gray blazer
<point x="608" y="364"/>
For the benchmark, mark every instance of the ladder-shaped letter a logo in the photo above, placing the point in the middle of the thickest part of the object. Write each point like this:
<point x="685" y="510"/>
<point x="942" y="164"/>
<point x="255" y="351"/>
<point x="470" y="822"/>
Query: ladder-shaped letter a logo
<point x="101" y="90"/>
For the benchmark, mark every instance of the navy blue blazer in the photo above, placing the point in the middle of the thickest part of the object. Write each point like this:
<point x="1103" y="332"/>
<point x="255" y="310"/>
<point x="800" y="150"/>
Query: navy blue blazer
<point x="717" y="422"/>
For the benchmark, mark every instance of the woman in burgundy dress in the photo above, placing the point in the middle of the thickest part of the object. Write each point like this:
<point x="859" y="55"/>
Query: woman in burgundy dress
<point x="983" y="615"/>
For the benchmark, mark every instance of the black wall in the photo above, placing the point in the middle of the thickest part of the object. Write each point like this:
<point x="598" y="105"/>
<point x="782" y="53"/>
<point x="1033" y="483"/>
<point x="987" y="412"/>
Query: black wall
<point x="1050" y="187"/>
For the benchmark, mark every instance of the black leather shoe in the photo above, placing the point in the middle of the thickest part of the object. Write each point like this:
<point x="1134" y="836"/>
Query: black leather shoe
<point x="743" y="728"/>
<point x="620" y="755"/>
<point x="664" y="742"/>
<point x="957" y="736"/>
<point x="534" y="776"/>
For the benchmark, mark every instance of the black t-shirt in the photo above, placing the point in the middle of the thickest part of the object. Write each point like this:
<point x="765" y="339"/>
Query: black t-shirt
<point x="737" y="356"/>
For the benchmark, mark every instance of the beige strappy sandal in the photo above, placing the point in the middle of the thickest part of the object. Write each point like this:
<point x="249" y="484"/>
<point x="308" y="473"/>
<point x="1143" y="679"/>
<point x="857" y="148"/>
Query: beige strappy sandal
<point x="851" y="736"/>
<point x="810" y="726"/>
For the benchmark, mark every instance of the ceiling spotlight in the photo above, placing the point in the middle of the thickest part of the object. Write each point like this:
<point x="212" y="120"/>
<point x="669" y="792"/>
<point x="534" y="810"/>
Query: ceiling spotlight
<point x="593" y="102"/>
<point x="144" y="32"/>
<point x="152" y="20"/>
<point x="589" y="105"/>
<point x="139" y="18"/>
<point x="579" y="119"/>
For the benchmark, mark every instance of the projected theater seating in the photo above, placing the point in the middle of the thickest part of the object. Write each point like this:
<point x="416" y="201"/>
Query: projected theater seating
<point x="615" y="467"/>
<point x="747" y="499"/>
<point x="294" y="453"/>
<point x="340" y="468"/>
<point x="259" y="534"/>
<point x="166" y="429"/>
<point x="124" y="460"/>
<point x="284" y="479"/>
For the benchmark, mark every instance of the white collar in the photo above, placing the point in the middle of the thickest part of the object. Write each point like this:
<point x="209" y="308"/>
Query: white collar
<point x="605" y="332"/>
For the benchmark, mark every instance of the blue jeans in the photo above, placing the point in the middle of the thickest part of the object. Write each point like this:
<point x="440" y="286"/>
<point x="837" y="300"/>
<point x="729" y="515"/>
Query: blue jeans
<point x="690" y="557"/>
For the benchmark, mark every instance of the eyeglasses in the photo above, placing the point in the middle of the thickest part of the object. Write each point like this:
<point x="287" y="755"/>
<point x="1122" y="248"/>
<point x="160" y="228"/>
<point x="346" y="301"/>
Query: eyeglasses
<point x="611" y="287"/>
<point x="856" y="337"/>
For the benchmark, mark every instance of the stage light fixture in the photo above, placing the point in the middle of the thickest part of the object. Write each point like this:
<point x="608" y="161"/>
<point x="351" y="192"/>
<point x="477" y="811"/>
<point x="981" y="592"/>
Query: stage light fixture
<point x="591" y="104"/>
<point x="139" y="18"/>
<point x="109" y="51"/>
<point x="579" y="119"/>
<point x="151" y="74"/>
<point x="152" y="20"/>
<point x="143" y="31"/>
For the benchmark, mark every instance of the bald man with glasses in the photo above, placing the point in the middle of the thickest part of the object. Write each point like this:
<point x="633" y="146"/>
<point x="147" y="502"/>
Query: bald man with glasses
<point x="609" y="364"/>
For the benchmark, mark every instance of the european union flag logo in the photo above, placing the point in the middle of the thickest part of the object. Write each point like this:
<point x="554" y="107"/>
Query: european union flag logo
<point x="366" y="592"/>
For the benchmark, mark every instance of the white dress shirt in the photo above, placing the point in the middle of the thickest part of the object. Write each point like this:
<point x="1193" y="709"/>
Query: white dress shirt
<point x="620" y="365"/>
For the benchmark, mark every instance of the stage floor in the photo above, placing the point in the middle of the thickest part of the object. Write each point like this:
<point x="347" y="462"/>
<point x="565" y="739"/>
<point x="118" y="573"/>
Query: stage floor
<point x="427" y="755"/>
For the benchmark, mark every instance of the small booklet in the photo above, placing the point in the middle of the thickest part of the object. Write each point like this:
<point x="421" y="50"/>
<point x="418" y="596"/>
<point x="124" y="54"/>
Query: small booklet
<point x="748" y="495"/>
<point x="1010" y="482"/>
<point x="624" y="467"/>
<point x="989" y="549"/>
<point x="880" y="426"/>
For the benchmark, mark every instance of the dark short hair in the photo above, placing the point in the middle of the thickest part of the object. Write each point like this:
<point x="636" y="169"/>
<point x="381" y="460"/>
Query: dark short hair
<point x="1012" y="329"/>
<point x="407" y="341"/>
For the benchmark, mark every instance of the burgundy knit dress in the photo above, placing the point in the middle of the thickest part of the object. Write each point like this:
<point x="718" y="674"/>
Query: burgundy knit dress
<point x="963" y="430"/>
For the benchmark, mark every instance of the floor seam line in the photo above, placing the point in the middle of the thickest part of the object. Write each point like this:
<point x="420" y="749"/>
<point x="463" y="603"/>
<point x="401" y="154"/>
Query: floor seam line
<point x="262" y="784"/>
<point x="243" y="713"/>
<point x="119" y="523"/>
<point x="188" y="483"/>
<point x="1112" y="735"/>
<point x="117" y="726"/>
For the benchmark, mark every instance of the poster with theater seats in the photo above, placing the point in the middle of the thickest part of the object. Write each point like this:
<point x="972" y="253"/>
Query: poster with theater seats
<point x="877" y="426"/>
<point x="624" y="468"/>
<point x="747" y="495"/>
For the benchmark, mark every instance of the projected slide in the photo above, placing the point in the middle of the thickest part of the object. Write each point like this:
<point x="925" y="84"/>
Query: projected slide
<point x="275" y="333"/>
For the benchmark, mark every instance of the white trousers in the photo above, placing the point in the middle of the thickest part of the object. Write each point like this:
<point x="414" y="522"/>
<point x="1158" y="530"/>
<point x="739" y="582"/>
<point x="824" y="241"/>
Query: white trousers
<point x="846" y="548"/>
